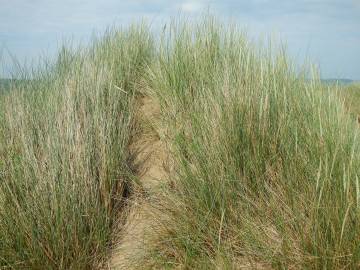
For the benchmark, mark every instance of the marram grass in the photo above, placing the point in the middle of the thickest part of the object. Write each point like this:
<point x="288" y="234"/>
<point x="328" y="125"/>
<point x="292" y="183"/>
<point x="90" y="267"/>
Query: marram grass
<point x="266" y="161"/>
<point x="63" y="152"/>
<point x="265" y="171"/>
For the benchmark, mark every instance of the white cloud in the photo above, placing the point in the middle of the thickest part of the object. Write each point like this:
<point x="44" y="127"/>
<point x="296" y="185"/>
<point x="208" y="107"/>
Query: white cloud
<point x="316" y="28"/>
<point x="191" y="6"/>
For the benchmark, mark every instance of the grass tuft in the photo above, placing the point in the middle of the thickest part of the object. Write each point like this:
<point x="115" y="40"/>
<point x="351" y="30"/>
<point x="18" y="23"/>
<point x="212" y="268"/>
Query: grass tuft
<point x="266" y="161"/>
<point x="265" y="171"/>
<point x="63" y="151"/>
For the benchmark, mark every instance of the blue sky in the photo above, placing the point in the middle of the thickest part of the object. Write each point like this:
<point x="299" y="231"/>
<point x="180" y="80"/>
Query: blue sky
<point x="325" y="31"/>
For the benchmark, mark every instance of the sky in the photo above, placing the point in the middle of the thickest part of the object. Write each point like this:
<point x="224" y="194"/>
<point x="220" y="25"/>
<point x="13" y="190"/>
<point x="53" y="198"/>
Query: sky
<point x="326" y="32"/>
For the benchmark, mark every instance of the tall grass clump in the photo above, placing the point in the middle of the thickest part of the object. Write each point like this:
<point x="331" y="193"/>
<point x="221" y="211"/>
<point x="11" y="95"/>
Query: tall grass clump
<point x="64" y="133"/>
<point x="266" y="162"/>
<point x="351" y="96"/>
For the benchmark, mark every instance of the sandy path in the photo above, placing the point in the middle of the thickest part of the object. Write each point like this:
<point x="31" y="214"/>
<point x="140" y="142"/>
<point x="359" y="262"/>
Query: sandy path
<point x="150" y="159"/>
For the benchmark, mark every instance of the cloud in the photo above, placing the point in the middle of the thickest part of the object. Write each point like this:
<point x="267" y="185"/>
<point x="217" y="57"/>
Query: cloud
<point x="318" y="28"/>
<point x="191" y="7"/>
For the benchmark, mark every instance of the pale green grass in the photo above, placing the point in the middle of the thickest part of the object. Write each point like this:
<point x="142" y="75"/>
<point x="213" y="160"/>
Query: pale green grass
<point x="265" y="169"/>
<point x="266" y="162"/>
<point x="63" y="151"/>
<point x="351" y="94"/>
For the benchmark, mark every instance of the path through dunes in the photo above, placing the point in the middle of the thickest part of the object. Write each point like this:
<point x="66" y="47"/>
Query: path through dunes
<point x="193" y="149"/>
<point x="151" y="161"/>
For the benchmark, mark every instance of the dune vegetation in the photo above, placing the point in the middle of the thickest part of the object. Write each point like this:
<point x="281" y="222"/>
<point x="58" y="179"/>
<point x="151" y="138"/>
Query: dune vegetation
<point x="63" y="151"/>
<point x="267" y="163"/>
<point x="351" y="96"/>
<point x="262" y="164"/>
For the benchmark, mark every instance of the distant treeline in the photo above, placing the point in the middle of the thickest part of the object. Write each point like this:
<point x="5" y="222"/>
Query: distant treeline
<point x="338" y="81"/>
<point x="5" y="84"/>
